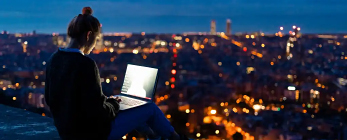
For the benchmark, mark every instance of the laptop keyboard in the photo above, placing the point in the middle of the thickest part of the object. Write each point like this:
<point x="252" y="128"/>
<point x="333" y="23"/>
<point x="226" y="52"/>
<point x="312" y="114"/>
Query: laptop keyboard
<point x="130" y="101"/>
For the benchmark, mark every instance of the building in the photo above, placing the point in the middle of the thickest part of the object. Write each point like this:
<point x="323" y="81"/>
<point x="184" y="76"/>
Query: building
<point x="100" y="42"/>
<point x="213" y="27"/>
<point x="4" y="32"/>
<point x="293" y="46"/>
<point x="58" y="41"/>
<point x="228" y="29"/>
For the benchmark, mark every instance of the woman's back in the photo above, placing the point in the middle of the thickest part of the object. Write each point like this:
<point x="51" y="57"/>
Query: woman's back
<point x="70" y="76"/>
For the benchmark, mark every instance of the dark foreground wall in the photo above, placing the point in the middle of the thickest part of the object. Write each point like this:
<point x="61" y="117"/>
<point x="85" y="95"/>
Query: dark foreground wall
<point x="18" y="124"/>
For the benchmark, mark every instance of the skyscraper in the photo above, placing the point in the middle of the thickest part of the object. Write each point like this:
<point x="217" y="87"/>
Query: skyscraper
<point x="228" y="29"/>
<point x="293" y="45"/>
<point x="213" y="27"/>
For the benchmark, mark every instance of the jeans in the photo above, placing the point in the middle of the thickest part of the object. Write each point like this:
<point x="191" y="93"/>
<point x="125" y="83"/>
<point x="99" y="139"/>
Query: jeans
<point x="147" y="119"/>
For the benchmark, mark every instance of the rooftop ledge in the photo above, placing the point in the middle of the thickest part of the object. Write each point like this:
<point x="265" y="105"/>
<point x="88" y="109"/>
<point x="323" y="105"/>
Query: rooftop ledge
<point x="18" y="124"/>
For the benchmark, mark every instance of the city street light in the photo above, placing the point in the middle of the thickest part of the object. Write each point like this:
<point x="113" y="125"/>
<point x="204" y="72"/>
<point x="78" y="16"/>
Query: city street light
<point x="291" y="88"/>
<point x="135" y="51"/>
<point x="213" y="111"/>
<point x="256" y="107"/>
<point x="217" y="132"/>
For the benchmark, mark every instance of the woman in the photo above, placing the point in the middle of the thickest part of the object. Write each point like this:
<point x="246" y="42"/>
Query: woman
<point x="73" y="92"/>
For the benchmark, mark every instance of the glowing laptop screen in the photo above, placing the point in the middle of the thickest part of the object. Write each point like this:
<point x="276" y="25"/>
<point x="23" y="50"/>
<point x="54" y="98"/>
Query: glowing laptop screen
<point x="139" y="81"/>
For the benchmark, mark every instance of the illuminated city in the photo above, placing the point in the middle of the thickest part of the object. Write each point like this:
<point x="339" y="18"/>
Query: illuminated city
<point x="285" y="85"/>
<point x="247" y="83"/>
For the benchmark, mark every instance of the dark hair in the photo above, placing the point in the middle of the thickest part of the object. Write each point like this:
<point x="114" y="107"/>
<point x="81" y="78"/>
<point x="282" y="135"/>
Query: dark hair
<point x="83" y="23"/>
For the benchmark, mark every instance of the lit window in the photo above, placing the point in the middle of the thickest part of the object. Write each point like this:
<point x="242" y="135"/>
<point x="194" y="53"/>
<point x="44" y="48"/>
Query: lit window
<point x="217" y="132"/>
<point x="177" y="45"/>
<point x="309" y="128"/>
<point x="213" y="111"/>
<point x="310" y="51"/>
<point x="173" y="71"/>
<point x="135" y="51"/>
<point x="163" y="43"/>
<point x="187" y="124"/>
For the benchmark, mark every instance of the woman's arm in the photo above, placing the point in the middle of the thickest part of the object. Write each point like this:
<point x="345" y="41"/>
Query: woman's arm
<point x="92" y="96"/>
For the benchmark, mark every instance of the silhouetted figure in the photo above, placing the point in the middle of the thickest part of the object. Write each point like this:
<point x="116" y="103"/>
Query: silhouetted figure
<point x="74" y="94"/>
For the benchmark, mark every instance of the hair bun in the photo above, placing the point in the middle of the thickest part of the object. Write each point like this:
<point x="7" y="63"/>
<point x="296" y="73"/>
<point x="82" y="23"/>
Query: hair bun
<point x="87" y="11"/>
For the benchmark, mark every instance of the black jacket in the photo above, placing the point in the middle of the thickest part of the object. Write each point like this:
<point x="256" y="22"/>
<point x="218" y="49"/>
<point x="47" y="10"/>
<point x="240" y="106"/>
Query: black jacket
<point x="73" y="92"/>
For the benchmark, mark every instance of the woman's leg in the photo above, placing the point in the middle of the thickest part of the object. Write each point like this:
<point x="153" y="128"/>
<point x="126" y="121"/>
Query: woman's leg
<point x="146" y="130"/>
<point x="131" y="119"/>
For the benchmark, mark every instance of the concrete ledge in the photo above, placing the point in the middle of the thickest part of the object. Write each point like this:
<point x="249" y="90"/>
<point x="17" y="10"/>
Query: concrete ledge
<point x="18" y="124"/>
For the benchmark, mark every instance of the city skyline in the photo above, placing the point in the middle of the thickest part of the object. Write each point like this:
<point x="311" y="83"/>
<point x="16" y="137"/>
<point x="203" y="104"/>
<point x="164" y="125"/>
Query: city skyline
<point x="176" y="16"/>
<point x="210" y="86"/>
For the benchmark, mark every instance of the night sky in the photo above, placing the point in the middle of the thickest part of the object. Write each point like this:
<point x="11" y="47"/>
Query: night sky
<point x="176" y="16"/>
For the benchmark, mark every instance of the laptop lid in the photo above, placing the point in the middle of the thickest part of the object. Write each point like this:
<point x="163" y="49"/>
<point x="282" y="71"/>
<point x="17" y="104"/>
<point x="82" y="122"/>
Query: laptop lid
<point x="140" y="81"/>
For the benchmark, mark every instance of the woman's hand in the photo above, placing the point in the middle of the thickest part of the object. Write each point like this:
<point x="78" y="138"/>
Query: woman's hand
<point x="116" y="98"/>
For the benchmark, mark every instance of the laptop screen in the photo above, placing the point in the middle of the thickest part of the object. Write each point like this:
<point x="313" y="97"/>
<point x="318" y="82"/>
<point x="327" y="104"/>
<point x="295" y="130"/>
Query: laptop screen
<point x="140" y="81"/>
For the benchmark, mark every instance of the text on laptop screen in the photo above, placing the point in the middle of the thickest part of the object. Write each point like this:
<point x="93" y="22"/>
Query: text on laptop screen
<point x="139" y="81"/>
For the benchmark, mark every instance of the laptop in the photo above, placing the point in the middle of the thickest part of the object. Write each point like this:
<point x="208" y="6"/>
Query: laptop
<point x="140" y="83"/>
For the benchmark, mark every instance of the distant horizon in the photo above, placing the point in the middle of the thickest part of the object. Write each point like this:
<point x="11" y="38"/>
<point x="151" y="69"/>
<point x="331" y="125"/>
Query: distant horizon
<point x="64" y="33"/>
<point x="337" y="28"/>
<point x="42" y="33"/>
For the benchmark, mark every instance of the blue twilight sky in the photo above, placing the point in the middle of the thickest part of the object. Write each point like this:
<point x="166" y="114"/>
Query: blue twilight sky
<point x="176" y="16"/>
